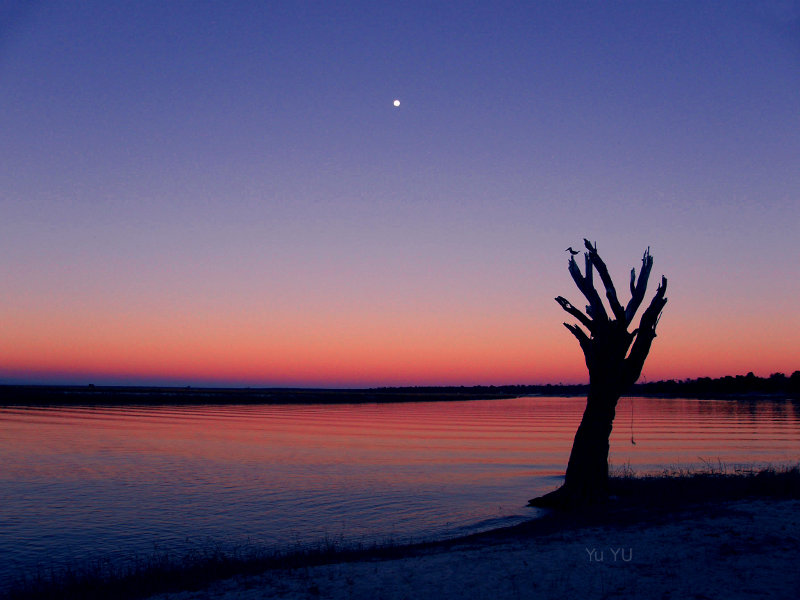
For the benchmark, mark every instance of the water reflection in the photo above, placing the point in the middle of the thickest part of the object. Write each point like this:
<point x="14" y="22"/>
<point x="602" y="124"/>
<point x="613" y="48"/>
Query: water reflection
<point x="82" y="481"/>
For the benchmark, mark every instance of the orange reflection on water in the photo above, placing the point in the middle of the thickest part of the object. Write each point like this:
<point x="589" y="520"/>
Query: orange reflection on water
<point x="103" y="478"/>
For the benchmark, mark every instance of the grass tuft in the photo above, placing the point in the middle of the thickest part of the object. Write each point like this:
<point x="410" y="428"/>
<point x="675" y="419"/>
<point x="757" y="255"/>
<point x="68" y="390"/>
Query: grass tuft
<point x="714" y="482"/>
<point x="165" y="572"/>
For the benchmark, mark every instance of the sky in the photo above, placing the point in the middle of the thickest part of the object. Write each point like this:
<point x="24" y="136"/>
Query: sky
<point x="223" y="193"/>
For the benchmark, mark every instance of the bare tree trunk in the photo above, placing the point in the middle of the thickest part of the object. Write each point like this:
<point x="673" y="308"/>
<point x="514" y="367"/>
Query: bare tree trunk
<point x="615" y="359"/>
<point x="587" y="470"/>
<point x="586" y="480"/>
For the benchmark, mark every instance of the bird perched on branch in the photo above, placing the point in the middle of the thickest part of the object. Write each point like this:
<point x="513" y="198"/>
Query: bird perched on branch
<point x="571" y="251"/>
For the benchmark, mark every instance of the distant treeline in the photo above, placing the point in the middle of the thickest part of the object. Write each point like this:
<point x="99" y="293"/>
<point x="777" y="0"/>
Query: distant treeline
<point x="52" y="395"/>
<point x="494" y="391"/>
<point x="776" y="385"/>
<point x="703" y="387"/>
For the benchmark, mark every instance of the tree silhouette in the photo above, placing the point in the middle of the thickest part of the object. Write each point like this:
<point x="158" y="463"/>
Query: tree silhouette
<point x="614" y="357"/>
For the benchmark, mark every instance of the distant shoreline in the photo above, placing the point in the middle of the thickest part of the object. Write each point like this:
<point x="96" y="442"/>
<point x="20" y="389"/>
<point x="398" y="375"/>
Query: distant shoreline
<point x="749" y="388"/>
<point x="125" y="395"/>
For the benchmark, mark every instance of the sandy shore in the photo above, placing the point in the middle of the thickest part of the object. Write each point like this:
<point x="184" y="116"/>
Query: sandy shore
<point x="741" y="549"/>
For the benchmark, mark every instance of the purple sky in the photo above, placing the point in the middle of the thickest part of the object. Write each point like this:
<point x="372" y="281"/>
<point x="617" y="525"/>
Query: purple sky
<point x="224" y="192"/>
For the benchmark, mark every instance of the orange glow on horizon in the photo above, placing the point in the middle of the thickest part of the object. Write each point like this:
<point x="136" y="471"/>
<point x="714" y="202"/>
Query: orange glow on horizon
<point x="366" y="366"/>
<point x="369" y="347"/>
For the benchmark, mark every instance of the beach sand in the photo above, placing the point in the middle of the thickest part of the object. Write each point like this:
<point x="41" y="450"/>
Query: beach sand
<point x="739" y="549"/>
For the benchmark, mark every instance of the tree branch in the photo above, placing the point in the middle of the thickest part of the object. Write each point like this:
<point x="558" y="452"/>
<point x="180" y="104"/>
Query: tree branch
<point x="640" y="288"/>
<point x="583" y="340"/>
<point x="611" y="292"/>
<point x="575" y="312"/>
<point x="646" y="334"/>
<point x="597" y="310"/>
<point x="633" y="283"/>
<point x="588" y="269"/>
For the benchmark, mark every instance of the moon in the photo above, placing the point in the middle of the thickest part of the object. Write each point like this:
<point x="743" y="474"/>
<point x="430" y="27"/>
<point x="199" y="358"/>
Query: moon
<point x="396" y="103"/>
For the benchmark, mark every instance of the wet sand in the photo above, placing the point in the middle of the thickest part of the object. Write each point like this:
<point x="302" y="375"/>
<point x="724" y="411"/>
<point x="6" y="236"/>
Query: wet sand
<point x="737" y="549"/>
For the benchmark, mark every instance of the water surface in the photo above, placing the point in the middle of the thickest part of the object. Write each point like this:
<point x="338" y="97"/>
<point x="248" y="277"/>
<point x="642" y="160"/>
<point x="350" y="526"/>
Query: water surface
<point x="83" y="482"/>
